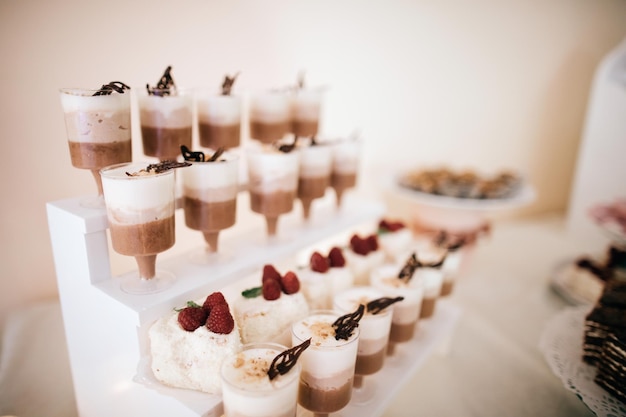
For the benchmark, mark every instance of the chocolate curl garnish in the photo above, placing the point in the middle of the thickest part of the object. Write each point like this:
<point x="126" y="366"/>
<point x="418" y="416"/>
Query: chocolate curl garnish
<point x="450" y="242"/>
<point x="379" y="304"/>
<point x="287" y="360"/>
<point x="406" y="273"/>
<point x="216" y="155"/>
<point x="108" y="89"/>
<point x="345" y="325"/>
<point x="166" y="82"/>
<point x="286" y="148"/>
<point x="161" y="167"/>
<point x="188" y="155"/>
<point x="300" y="83"/>
<point x="227" y="85"/>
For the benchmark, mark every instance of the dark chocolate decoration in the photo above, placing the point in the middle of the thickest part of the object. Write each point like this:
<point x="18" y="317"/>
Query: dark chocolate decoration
<point x="379" y="304"/>
<point x="165" y="84"/>
<point x="216" y="155"/>
<point x="113" y="86"/>
<point x="406" y="273"/>
<point x="450" y="242"/>
<point x="287" y="360"/>
<point x="288" y="147"/>
<point x="227" y="85"/>
<point x="188" y="155"/>
<point x="345" y="325"/>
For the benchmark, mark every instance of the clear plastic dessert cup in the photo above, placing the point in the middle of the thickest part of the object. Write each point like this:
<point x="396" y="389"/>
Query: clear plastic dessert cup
<point x="373" y="338"/>
<point x="451" y="269"/>
<point x="210" y="199"/>
<point x="406" y="312"/>
<point x="247" y="390"/>
<point x="327" y="365"/>
<point x="98" y="130"/>
<point x="140" y="210"/>
<point x="166" y="119"/>
<point x="269" y="115"/>
<point x="314" y="177"/>
<point x="272" y="183"/>
<point x="346" y="159"/>
<point x="219" y="120"/>
<point x="306" y="109"/>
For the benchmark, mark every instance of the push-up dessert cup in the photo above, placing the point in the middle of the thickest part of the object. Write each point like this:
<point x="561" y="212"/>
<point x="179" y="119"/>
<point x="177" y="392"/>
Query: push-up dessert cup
<point x="140" y="204"/>
<point x="270" y="116"/>
<point x="346" y="157"/>
<point x="250" y="387"/>
<point x="394" y="280"/>
<point x="328" y="364"/>
<point x="166" y="116"/>
<point x="98" y="125"/>
<point x="315" y="170"/>
<point x="219" y="117"/>
<point x="272" y="182"/>
<point x="374" y="334"/>
<point x="429" y="272"/>
<point x="210" y="187"/>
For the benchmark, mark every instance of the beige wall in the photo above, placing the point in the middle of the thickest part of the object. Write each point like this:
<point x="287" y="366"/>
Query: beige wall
<point x="484" y="83"/>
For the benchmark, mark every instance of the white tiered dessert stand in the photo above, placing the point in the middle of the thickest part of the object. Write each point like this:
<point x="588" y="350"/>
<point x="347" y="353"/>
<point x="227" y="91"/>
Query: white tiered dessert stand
<point x="106" y="328"/>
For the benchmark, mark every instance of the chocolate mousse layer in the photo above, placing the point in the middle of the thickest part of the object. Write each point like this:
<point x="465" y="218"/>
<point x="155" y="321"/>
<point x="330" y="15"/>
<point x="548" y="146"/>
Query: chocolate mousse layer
<point x="401" y="332"/>
<point x="304" y="128"/>
<point x="446" y="287"/>
<point x="90" y="155"/>
<point x="312" y="187"/>
<point x="143" y="238"/>
<point x="269" y="132"/>
<point x="272" y="204"/>
<point x="214" y="216"/>
<point x="428" y="307"/>
<point x="341" y="182"/>
<point x="370" y="364"/>
<point x="164" y="143"/>
<point x="219" y="136"/>
<point x="321" y="400"/>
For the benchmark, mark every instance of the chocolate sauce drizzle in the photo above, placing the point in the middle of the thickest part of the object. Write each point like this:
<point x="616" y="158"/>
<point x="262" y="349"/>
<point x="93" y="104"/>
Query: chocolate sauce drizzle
<point x="161" y="167"/>
<point x="164" y="86"/>
<point x="287" y="360"/>
<point x="288" y="147"/>
<point x="379" y="304"/>
<point x="199" y="156"/>
<point x="450" y="242"/>
<point x="345" y="325"/>
<point x="227" y="85"/>
<point x="113" y="86"/>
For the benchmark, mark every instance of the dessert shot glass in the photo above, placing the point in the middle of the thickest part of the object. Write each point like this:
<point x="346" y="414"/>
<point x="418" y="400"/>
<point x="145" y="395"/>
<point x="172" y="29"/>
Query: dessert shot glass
<point x="272" y="183"/>
<point x="269" y="115"/>
<point x="327" y="365"/>
<point x="346" y="158"/>
<point x="140" y="205"/>
<point x="98" y="126"/>
<point x="374" y="330"/>
<point x="248" y="391"/>
<point x="306" y="110"/>
<point x="166" y="117"/>
<point x="314" y="176"/>
<point x="219" y="119"/>
<point x="210" y="199"/>
<point x="404" y="320"/>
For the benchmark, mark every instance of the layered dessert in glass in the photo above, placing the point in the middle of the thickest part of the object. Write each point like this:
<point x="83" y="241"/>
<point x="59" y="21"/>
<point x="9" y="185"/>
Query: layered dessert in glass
<point x="219" y="117"/>
<point x="270" y="116"/>
<point x="314" y="177"/>
<point x="346" y="157"/>
<point x="306" y="109"/>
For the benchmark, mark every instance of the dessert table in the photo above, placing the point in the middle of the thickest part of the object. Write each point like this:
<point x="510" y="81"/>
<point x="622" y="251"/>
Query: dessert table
<point x="491" y="364"/>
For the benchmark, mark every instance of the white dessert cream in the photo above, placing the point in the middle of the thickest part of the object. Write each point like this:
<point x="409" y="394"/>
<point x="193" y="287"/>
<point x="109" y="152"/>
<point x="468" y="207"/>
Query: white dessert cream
<point x="170" y="111"/>
<point x="220" y="110"/>
<point x="319" y="288"/>
<point x="247" y="390"/>
<point x="270" y="107"/>
<point x="270" y="170"/>
<point x="362" y="265"/>
<point x="189" y="360"/>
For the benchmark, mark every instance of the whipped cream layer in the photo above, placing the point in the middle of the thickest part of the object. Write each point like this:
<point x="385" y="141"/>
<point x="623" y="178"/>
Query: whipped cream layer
<point x="385" y="278"/>
<point x="315" y="161"/>
<point x="432" y="279"/>
<point x="346" y="154"/>
<point x="270" y="107"/>
<point x="372" y="326"/>
<point x="270" y="170"/>
<point x="319" y="288"/>
<point x="212" y="181"/>
<point x="326" y="356"/>
<point x="174" y="111"/>
<point x="219" y="109"/>
<point x="396" y="245"/>
<point x="189" y="360"/>
<point x="306" y="105"/>
<point x="138" y="199"/>
<point x="362" y="265"/>
<point x="262" y="320"/>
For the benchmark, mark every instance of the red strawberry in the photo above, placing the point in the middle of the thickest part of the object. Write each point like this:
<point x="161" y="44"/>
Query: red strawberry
<point x="269" y="272"/>
<point x="359" y="245"/>
<point x="271" y="289"/>
<point x="390" y="225"/>
<point x="372" y="242"/>
<point x="190" y="318"/>
<point x="220" y="320"/>
<point x="336" y="258"/>
<point x="319" y="263"/>
<point x="290" y="283"/>
<point x="383" y="224"/>
<point x="213" y="300"/>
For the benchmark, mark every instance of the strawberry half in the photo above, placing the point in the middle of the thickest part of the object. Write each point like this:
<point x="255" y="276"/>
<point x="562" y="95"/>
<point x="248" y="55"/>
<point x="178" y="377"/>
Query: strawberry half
<point x="290" y="283"/>
<point x="336" y="258"/>
<point x="271" y="289"/>
<point x="319" y="263"/>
